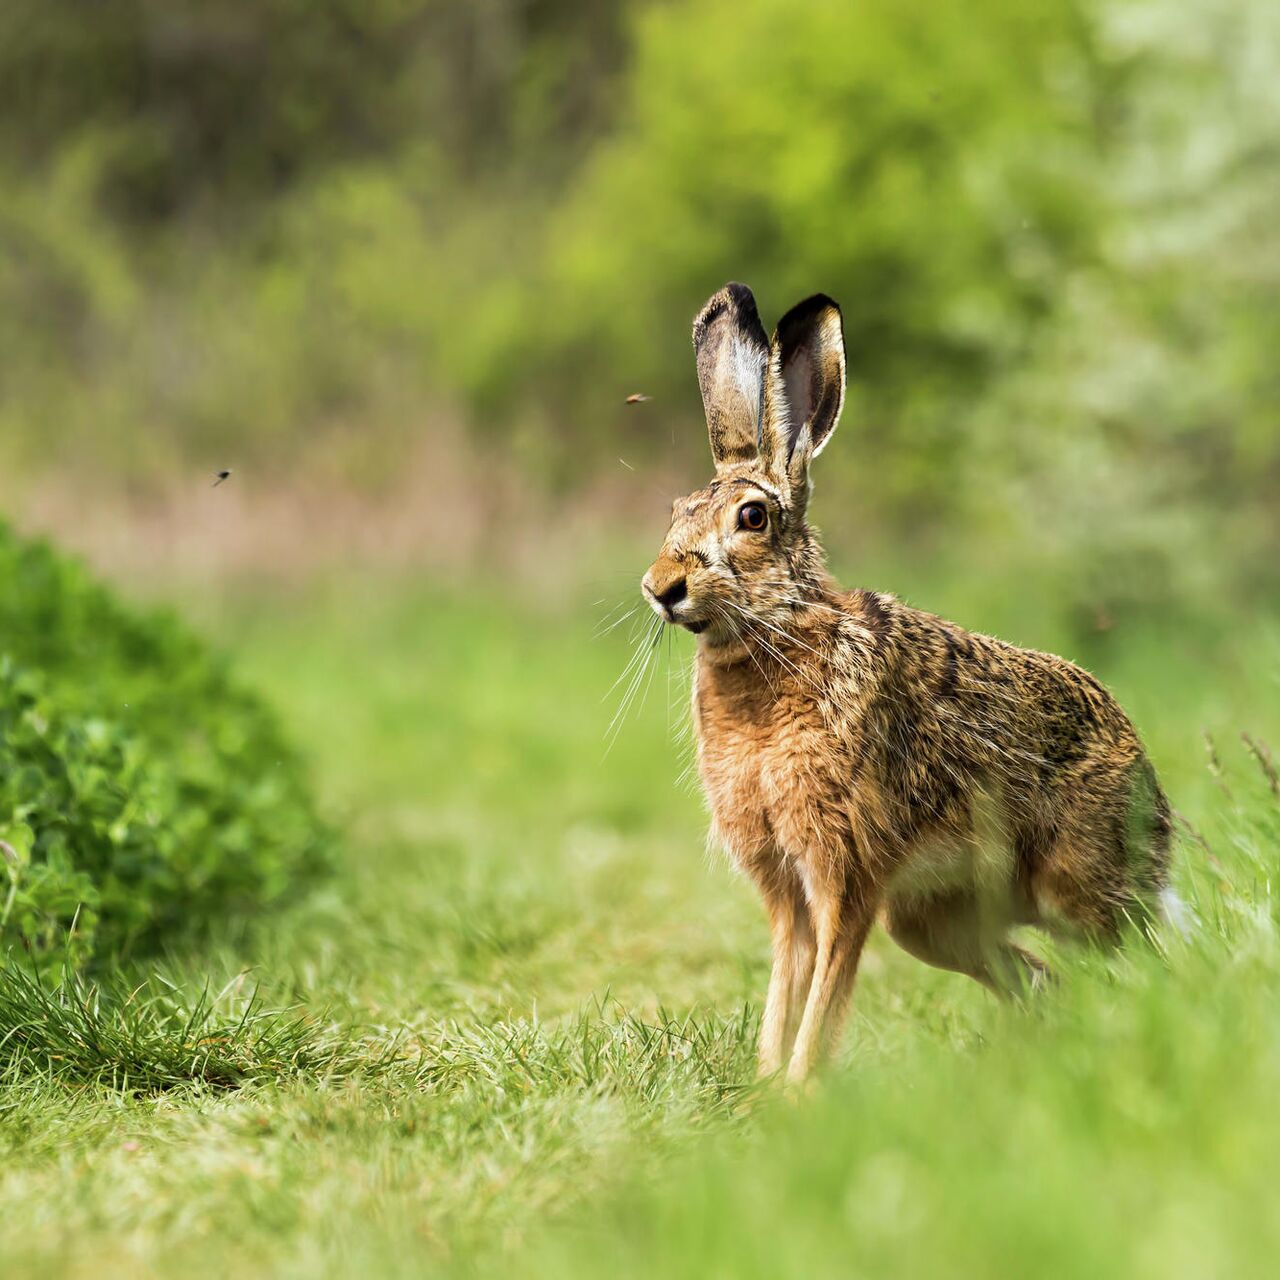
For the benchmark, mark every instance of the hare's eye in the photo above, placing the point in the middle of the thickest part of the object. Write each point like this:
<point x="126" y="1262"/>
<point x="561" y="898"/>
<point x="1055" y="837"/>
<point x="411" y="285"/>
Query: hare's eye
<point x="752" y="516"/>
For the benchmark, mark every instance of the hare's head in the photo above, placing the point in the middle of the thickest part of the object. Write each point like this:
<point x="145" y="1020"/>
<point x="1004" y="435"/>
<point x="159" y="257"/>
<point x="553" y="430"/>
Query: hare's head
<point x="740" y="550"/>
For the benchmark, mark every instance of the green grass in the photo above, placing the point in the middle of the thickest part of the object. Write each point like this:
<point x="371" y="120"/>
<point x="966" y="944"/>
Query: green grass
<point x="150" y="1037"/>
<point x="515" y="1032"/>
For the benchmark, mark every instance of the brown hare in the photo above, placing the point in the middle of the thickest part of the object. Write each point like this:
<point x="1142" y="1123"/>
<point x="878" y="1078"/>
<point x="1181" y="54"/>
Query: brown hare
<point x="863" y="759"/>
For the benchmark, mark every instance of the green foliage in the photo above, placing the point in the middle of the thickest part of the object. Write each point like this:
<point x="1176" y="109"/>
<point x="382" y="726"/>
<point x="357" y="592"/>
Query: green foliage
<point x="931" y="168"/>
<point x="192" y="105"/>
<point x="288" y="235"/>
<point x="143" y="792"/>
<point x="204" y="206"/>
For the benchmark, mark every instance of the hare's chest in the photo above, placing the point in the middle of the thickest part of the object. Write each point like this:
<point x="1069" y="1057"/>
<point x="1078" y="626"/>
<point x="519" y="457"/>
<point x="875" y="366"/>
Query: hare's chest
<point x="774" y="782"/>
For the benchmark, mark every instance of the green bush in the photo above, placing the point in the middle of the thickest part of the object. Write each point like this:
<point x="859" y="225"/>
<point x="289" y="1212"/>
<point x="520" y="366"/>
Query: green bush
<point x="143" y="792"/>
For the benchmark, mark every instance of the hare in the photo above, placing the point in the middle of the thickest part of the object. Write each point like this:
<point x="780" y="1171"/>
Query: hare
<point x="862" y="759"/>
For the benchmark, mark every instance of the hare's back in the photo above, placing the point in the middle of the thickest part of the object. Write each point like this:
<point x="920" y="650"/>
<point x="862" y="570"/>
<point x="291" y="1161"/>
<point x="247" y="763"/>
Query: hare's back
<point x="977" y="737"/>
<point x="957" y="710"/>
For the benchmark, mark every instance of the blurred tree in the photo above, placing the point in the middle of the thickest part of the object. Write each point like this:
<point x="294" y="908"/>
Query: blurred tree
<point x="238" y="229"/>
<point x="934" y="169"/>
<point x="212" y="103"/>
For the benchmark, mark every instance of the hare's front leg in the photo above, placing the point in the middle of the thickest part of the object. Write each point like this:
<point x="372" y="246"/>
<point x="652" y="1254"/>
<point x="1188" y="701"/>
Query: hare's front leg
<point x="841" y="921"/>
<point x="793" y="955"/>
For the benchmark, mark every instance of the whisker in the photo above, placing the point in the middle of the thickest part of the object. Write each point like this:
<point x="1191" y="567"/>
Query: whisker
<point x="603" y="630"/>
<point x="772" y="649"/>
<point x="787" y="635"/>
<point x="644" y="654"/>
<point x="802" y="602"/>
<point x="624" y="703"/>
<point x="637" y="655"/>
<point x="764" y="675"/>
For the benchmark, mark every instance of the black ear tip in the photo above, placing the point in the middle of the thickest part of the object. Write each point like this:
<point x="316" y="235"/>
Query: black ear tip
<point x="739" y="302"/>
<point x="804" y="315"/>
<point x="815" y="303"/>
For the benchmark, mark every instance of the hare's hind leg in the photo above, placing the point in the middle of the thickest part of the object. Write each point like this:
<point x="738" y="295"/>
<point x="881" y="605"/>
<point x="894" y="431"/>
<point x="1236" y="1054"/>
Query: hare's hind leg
<point x="1108" y="866"/>
<point x="952" y="931"/>
<point x="793" y="955"/>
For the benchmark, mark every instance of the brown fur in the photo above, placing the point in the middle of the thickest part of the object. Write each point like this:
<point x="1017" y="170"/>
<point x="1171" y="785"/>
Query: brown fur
<point x="864" y="759"/>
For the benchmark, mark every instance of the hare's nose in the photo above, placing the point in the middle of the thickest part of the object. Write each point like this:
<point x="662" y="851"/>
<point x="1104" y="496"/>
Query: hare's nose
<point x="672" y="593"/>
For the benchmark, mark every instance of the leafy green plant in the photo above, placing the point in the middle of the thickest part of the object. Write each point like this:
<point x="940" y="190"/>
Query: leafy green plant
<point x="143" y="791"/>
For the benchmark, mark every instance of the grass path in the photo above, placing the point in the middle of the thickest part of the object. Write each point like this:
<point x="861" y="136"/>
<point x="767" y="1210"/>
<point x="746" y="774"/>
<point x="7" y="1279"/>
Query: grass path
<point x="544" y="996"/>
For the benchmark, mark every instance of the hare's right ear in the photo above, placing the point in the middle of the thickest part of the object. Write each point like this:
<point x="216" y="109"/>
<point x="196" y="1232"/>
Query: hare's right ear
<point x="806" y="386"/>
<point x="733" y="357"/>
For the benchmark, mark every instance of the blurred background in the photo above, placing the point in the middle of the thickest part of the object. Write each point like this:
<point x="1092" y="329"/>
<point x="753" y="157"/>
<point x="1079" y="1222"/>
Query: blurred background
<point x="399" y="264"/>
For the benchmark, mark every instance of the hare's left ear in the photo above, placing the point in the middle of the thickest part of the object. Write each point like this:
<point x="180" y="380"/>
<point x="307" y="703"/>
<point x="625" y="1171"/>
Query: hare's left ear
<point x="733" y="358"/>
<point x="806" y="385"/>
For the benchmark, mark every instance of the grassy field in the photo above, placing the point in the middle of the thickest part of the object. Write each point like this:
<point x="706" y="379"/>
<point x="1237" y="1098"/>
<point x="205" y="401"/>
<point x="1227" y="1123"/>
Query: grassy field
<point x="521" y="1024"/>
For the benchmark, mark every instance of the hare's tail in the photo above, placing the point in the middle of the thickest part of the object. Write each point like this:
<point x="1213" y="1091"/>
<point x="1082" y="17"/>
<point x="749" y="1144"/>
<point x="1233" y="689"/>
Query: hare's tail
<point x="1178" y="913"/>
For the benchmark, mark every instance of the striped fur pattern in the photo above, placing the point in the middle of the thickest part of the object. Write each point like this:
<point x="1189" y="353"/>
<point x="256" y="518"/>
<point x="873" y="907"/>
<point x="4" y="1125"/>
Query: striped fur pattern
<point x="862" y="759"/>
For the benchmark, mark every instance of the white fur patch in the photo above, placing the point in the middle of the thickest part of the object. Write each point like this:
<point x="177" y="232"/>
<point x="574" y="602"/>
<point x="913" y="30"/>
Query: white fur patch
<point x="933" y="869"/>
<point x="1178" y="913"/>
<point x="747" y="376"/>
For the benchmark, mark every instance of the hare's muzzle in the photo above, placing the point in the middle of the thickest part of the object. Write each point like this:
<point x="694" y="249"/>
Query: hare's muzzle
<point x="665" y="586"/>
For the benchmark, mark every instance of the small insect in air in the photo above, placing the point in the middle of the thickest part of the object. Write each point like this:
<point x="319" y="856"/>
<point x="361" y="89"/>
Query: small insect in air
<point x="219" y="477"/>
<point x="637" y="397"/>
